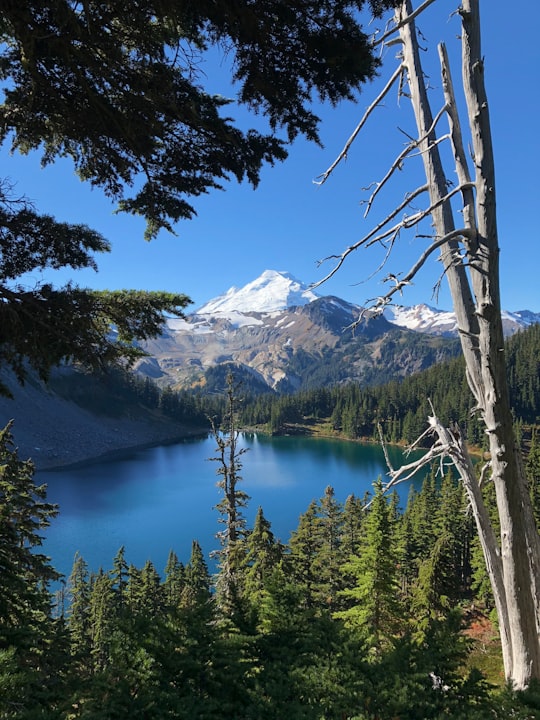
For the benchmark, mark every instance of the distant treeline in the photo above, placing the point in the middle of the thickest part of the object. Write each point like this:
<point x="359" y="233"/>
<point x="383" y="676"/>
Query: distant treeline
<point x="402" y="407"/>
<point x="120" y="392"/>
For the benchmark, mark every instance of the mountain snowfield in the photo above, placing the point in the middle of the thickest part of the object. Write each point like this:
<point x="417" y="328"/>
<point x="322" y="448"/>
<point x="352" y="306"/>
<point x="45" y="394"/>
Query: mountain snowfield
<point x="271" y="291"/>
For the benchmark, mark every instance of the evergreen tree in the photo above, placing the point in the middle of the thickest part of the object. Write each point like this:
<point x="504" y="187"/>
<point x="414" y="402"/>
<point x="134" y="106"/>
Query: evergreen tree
<point x="304" y="547"/>
<point x="175" y="580"/>
<point x="197" y="589"/>
<point x="43" y="326"/>
<point x="32" y="644"/>
<point x="330" y="555"/>
<point x="120" y="575"/>
<point x="374" y="606"/>
<point x="532" y="469"/>
<point x="263" y="553"/>
<point x="353" y="521"/>
<point x="120" y="91"/>
<point x="151" y="591"/>
<point x="101" y="619"/>
<point x="231" y="556"/>
<point x="79" y="588"/>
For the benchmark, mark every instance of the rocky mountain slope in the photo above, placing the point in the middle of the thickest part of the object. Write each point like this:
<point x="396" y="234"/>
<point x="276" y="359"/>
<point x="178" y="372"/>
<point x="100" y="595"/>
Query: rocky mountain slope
<point x="278" y="333"/>
<point x="55" y="431"/>
<point x="281" y="336"/>
<point x="425" y="319"/>
<point x="271" y="345"/>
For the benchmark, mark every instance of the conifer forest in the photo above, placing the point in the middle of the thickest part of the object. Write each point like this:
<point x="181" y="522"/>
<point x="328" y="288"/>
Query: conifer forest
<point x="367" y="612"/>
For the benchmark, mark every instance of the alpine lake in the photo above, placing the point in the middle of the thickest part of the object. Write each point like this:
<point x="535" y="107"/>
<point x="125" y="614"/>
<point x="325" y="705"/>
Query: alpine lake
<point x="162" y="498"/>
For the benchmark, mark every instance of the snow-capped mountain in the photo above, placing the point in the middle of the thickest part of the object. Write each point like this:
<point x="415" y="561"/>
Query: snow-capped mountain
<point x="281" y="335"/>
<point x="271" y="292"/>
<point x="422" y="318"/>
<point x="425" y="319"/>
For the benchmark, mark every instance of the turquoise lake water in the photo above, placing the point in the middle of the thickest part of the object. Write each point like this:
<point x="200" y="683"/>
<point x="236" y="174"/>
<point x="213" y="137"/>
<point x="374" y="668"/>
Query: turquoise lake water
<point x="161" y="498"/>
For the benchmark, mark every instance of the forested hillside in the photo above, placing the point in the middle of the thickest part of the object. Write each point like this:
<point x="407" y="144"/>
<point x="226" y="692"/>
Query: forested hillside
<point x="403" y="407"/>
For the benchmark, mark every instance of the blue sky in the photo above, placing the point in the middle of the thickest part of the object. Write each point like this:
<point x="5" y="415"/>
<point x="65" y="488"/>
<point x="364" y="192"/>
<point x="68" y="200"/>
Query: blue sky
<point x="289" y="223"/>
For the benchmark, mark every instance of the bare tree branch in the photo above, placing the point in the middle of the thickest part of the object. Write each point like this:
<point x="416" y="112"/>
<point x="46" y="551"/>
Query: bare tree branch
<point x="343" y="154"/>
<point x="398" y="162"/>
<point x="405" y="224"/>
<point x="403" y="22"/>
<point x="406" y="280"/>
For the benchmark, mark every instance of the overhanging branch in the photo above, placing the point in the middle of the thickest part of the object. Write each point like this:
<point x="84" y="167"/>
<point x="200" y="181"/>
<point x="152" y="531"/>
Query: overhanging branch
<point x="343" y="154"/>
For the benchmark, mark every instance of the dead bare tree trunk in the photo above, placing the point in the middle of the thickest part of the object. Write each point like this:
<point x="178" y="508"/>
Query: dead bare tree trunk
<point x="480" y="326"/>
<point x="470" y="257"/>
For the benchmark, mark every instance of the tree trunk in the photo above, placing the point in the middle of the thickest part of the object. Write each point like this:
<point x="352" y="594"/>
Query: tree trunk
<point x="513" y="565"/>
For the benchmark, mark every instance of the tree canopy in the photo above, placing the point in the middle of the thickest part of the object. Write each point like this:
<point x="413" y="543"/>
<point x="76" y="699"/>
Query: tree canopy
<point x="119" y="88"/>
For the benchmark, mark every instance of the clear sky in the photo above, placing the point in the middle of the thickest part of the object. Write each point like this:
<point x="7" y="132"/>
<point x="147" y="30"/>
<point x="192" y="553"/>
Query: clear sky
<point x="289" y="223"/>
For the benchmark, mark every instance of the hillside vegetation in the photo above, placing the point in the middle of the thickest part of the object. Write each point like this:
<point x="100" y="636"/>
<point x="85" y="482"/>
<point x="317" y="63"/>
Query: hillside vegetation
<point x="402" y="407"/>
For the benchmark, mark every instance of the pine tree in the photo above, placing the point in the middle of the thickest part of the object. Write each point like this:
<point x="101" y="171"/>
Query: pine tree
<point x="79" y="587"/>
<point x="330" y="555"/>
<point x="197" y="589"/>
<point x="304" y="547"/>
<point x="175" y="580"/>
<point x="32" y="643"/>
<point x="101" y="619"/>
<point x="353" y="521"/>
<point x="374" y="606"/>
<point x="263" y="553"/>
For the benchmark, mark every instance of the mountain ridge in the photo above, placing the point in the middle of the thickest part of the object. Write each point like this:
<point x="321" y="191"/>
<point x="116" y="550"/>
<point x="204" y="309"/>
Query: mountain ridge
<point x="276" y="291"/>
<point x="279" y="334"/>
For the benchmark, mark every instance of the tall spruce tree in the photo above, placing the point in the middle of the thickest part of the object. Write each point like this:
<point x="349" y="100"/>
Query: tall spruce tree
<point x="304" y="546"/>
<point x="330" y="555"/>
<point x="231" y="556"/>
<point x="31" y="642"/>
<point x="79" y="588"/>
<point x="263" y="554"/>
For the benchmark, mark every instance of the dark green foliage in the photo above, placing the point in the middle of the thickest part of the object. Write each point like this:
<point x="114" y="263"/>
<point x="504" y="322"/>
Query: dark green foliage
<point x="138" y="646"/>
<point x="33" y="645"/>
<point x="216" y="380"/>
<point x="119" y="89"/>
<point x="262" y="554"/>
<point x="45" y="326"/>
<point x="119" y="392"/>
<point x="304" y="547"/>
<point x="374" y="609"/>
<point x="532" y="469"/>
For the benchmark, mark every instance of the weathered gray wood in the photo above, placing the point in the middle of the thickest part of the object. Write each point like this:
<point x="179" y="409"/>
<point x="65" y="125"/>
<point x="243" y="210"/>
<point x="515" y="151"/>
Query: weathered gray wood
<point x="513" y="562"/>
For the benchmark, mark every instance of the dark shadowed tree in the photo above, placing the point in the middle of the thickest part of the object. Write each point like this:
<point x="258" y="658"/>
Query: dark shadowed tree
<point x="120" y="88"/>
<point x="31" y="642"/>
<point x="231" y="556"/>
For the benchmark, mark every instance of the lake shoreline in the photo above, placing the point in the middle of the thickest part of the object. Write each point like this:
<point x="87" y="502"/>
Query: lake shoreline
<point x="123" y="451"/>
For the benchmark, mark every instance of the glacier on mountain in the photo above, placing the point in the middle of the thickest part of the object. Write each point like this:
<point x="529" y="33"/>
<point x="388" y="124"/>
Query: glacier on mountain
<point x="272" y="291"/>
